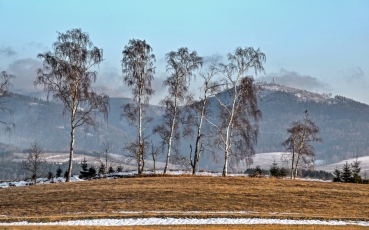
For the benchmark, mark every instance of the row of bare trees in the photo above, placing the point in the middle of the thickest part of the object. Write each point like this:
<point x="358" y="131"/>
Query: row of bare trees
<point x="234" y="130"/>
<point x="69" y="71"/>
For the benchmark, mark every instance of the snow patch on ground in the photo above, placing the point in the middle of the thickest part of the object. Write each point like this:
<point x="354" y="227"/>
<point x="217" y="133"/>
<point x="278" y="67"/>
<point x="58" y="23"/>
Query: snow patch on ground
<point x="188" y="221"/>
<point x="75" y="178"/>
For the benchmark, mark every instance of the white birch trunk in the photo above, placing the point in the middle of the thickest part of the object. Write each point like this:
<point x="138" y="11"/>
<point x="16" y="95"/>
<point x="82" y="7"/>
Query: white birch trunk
<point x="72" y="135"/>
<point x="197" y="150"/>
<point x="293" y="162"/>
<point x="140" y="136"/>
<point x="171" y="135"/>
<point x="228" y="137"/>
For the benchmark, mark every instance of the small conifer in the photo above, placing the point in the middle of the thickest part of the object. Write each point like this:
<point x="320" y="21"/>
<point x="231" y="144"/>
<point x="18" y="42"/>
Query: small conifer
<point x="92" y="171"/>
<point x="111" y="170"/>
<point x="337" y="175"/>
<point x="355" y="166"/>
<point x="346" y="173"/>
<point x="102" y="169"/>
<point x="274" y="170"/>
<point x="65" y="174"/>
<point x="59" y="172"/>
<point x="282" y="172"/>
<point x="85" y="172"/>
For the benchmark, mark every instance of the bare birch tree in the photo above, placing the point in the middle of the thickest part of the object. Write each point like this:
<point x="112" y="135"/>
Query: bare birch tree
<point x="181" y="66"/>
<point x="133" y="151"/>
<point x="138" y="72"/>
<point x="238" y="129"/>
<point x="299" y="143"/>
<point x="68" y="75"/>
<point x="154" y="152"/>
<point x="200" y="109"/>
<point x="5" y="87"/>
<point x="35" y="161"/>
<point x="104" y="156"/>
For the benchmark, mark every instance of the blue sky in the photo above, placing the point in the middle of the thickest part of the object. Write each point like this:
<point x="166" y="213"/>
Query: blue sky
<point x="322" y="46"/>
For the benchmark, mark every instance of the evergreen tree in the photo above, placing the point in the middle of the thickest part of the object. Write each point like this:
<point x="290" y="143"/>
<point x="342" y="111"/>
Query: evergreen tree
<point x="282" y="172"/>
<point x="258" y="172"/>
<point x="84" y="165"/>
<point x="111" y="170"/>
<point x="65" y="174"/>
<point x="92" y="171"/>
<point x="355" y="166"/>
<point x="102" y="169"/>
<point x="59" y="172"/>
<point x="346" y="173"/>
<point x="274" y="170"/>
<point x="337" y="175"/>
<point x="119" y="168"/>
<point x="50" y="175"/>
<point x="85" y="172"/>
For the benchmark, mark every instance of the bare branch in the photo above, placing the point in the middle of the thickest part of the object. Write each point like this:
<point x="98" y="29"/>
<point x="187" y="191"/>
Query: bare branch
<point x="34" y="163"/>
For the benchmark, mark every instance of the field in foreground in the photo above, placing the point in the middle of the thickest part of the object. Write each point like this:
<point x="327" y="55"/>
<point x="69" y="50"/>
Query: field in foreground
<point x="197" y="197"/>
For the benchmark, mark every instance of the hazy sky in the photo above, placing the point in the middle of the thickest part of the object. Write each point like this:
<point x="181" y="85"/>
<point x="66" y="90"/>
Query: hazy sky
<point x="316" y="45"/>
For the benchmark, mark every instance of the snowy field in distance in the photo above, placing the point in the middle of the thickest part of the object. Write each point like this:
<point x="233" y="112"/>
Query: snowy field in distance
<point x="364" y="165"/>
<point x="265" y="160"/>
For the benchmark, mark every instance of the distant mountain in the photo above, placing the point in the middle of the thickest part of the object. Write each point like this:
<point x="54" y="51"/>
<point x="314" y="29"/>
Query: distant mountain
<point x="344" y="124"/>
<point x="37" y="119"/>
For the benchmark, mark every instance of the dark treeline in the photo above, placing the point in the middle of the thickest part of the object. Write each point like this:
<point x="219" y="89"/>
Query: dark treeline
<point x="12" y="170"/>
<point x="301" y="173"/>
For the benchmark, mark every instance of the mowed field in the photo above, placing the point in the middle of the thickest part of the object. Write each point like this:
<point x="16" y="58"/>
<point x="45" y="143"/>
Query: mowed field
<point x="186" y="196"/>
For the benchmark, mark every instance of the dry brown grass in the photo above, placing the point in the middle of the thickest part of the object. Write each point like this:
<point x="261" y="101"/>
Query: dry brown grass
<point x="265" y="197"/>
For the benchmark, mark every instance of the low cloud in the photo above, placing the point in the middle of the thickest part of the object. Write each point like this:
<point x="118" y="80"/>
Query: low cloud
<point x="25" y="72"/>
<point x="110" y="77"/>
<point x="215" y="58"/>
<point x="355" y="75"/>
<point x="294" y="79"/>
<point x="157" y="85"/>
<point x="7" y="51"/>
<point x="35" y="46"/>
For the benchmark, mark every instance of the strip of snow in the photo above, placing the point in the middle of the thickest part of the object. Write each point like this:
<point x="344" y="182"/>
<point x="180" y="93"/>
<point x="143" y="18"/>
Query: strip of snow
<point x="188" y="221"/>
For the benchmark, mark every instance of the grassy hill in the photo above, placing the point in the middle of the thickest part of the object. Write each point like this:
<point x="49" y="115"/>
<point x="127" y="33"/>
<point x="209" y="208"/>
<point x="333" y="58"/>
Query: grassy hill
<point x="196" y="197"/>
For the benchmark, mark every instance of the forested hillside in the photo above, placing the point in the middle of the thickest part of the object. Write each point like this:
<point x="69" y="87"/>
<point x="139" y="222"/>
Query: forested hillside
<point x="36" y="119"/>
<point x="344" y="124"/>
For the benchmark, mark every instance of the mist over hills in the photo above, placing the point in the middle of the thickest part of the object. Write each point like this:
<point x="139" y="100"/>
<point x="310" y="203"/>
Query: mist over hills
<point x="343" y="123"/>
